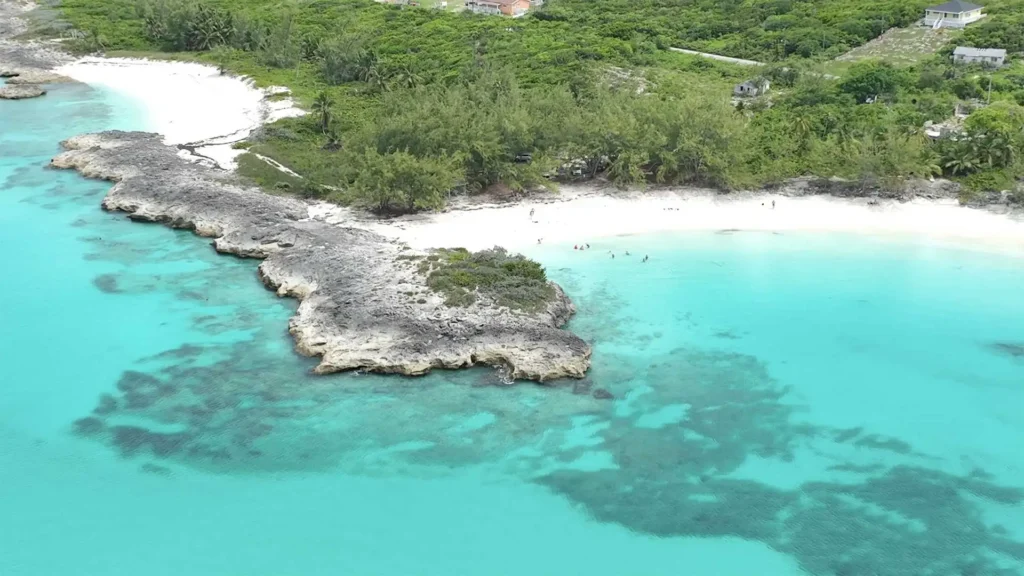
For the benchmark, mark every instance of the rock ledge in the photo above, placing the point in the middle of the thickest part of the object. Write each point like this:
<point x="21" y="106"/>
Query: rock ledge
<point x="362" y="307"/>
<point x="20" y="92"/>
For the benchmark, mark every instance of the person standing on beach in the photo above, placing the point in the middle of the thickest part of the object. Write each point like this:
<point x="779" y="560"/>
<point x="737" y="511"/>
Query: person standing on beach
<point x="531" y="213"/>
<point x="773" y="204"/>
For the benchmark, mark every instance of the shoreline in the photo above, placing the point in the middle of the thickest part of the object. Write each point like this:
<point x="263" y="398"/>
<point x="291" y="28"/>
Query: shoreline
<point x="365" y="302"/>
<point x="585" y="212"/>
<point x="202" y="112"/>
<point x="191" y="105"/>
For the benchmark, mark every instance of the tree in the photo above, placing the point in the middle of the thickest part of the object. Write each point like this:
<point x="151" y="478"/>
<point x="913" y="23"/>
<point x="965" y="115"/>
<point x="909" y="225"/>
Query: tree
<point x="405" y="77"/>
<point x="374" y="77"/>
<point x="97" y="43"/>
<point x="279" y="48"/>
<point x="400" y="180"/>
<point x="803" y="130"/>
<point x="343" y="58"/>
<point x="963" y="161"/>
<point x="221" y="55"/>
<point x="322" y="111"/>
<point x="891" y="155"/>
<point x="867" y="80"/>
<point x="1002" y="118"/>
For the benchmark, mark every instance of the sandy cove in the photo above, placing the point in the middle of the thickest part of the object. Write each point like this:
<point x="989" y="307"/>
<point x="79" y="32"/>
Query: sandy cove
<point x="583" y="213"/>
<point x="364" y="300"/>
<point x="311" y="250"/>
<point x="196" y="106"/>
<point x="188" y="103"/>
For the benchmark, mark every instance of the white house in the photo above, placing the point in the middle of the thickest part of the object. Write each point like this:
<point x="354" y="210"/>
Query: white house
<point x="751" y="88"/>
<point x="952" y="14"/>
<point x="513" y="8"/>
<point x="994" y="57"/>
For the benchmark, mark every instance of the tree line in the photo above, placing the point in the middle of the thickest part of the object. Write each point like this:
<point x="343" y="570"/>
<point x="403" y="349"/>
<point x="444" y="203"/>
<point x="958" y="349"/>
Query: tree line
<point x="410" y="106"/>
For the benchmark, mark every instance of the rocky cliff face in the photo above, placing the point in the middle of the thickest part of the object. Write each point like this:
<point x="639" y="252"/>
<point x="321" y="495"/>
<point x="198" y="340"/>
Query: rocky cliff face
<point x="364" y="305"/>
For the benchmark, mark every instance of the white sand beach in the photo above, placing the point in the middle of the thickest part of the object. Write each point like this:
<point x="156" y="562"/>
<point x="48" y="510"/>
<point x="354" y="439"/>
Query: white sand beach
<point x="582" y="214"/>
<point x="195" y="104"/>
<point x="186" y="102"/>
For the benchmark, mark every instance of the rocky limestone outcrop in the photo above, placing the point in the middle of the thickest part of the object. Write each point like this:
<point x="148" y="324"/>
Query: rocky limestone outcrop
<point x="21" y="92"/>
<point x="31" y="76"/>
<point x="21" y="54"/>
<point x="356" y="311"/>
<point x="841" y="188"/>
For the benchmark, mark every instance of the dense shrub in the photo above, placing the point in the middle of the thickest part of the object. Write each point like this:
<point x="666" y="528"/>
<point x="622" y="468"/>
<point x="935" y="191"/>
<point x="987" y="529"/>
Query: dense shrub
<point x="508" y="280"/>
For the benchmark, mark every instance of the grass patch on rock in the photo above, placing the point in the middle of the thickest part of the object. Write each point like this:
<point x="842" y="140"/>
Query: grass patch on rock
<point x="268" y="177"/>
<point x="511" y="280"/>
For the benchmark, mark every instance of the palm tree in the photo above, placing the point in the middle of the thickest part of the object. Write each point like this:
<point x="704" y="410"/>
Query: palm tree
<point x="322" y="110"/>
<point x="376" y="78"/>
<point x="997" y="151"/>
<point x="804" y="129"/>
<point x="208" y="29"/>
<point x="405" y="77"/>
<point x="96" y="39"/>
<point x="964" y="160"/>
<point x="847" y="137"/>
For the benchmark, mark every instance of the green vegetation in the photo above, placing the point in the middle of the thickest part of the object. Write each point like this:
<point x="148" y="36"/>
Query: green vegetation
<point x="409" y="106"/>
<point x="509" y="280"/>
<point x="267" y="176"/>
<point x="1003" y="28"/>
<point x="898" y="46"/>
<point x="765" y="30"/>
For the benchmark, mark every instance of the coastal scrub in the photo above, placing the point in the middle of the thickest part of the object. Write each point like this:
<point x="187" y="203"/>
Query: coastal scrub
<point x="414" y="106"/>
<point x="510" y="280"/>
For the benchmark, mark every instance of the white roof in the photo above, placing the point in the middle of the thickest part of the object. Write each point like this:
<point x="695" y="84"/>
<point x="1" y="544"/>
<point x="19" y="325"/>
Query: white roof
<point x="983" y="52"/>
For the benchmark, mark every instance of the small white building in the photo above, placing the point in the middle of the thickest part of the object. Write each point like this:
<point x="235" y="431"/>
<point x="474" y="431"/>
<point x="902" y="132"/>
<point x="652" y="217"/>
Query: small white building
<point x="993" y="57"/>
<point x="513" y="8"/>
<point x="751" y="88"/>
<point x="952" y="14"/>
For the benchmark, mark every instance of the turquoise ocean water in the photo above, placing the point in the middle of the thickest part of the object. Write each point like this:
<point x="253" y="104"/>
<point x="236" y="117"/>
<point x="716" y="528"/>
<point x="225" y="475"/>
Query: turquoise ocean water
<point x="784" y="404"/>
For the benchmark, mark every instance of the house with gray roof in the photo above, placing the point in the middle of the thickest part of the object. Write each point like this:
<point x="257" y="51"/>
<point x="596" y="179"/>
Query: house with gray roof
<point x="952" y="14"/>
<point x="751" y="88"/>
<point x="994" y="57"/>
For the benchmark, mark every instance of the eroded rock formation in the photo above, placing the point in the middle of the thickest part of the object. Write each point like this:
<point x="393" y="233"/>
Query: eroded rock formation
<point x="20" y="92"/>
<point x="363" y="305"/>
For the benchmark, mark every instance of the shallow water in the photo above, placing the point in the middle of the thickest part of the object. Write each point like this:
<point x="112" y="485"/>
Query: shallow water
<point x="783" y="405"/>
